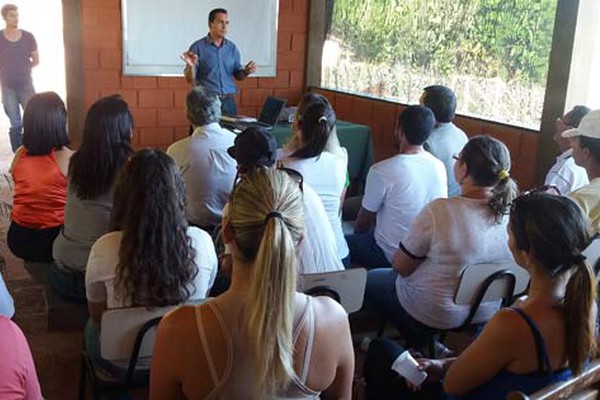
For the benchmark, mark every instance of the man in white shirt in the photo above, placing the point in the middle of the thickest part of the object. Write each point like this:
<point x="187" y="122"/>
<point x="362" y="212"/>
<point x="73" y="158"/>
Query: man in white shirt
<point x="206" y="167"/>
<point x="446" y="140"/>
<point x="565" y="175"/>
<point x="585" y="142"/>
<point x="396" y="191"/>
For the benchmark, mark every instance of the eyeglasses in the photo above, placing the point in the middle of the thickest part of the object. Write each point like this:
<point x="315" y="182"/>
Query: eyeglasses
<point x="560" y="121"/>
<point x="456" y="157"/>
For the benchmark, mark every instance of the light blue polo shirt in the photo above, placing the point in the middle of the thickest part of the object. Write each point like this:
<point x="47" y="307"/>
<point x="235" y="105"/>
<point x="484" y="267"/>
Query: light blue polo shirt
<point x="216" y="65"/>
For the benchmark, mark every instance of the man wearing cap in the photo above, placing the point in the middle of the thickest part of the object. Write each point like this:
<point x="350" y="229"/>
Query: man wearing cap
<point x="585" y="142"/>
<point x="565" y="175"/>
<point x="206" y="167"/>
<point x="213" y="62"/>
<point x="317" y="252"/>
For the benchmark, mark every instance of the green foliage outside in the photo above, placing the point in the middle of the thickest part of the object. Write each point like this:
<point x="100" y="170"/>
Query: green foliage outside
<point x="510" y="39"/>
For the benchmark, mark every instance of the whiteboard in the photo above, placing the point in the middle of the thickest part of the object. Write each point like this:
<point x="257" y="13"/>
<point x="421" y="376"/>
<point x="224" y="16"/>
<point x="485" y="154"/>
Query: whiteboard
<point x="157" y="32"/>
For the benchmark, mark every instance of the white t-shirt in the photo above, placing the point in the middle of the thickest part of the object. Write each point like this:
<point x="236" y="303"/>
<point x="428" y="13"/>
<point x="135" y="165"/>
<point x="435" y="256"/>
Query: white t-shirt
<point x="566" y="175"/>
<point x="397" y="189"/>
<point x="326" y="174"/>
<point x="208" y="171"/>
<point x="450" y="233"/>
<point x="445" y="141"/>
<point x="317" y="252"/>
<point x="100" y="273"/>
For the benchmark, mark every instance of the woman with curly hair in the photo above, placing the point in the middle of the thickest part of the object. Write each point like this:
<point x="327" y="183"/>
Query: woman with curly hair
<point x="93" y="169"/>
<point x="260" y="339"/>
<point x="151" y="257"/>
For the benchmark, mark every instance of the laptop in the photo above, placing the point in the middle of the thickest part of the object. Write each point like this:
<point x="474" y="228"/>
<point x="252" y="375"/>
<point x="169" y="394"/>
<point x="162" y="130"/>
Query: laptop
<point x="268" y="115"/>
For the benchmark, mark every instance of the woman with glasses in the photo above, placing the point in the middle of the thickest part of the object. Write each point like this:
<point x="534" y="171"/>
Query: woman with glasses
<point x="316" y="154"/>
<point x="150" y="257"/>
<point x="417" y="293"/>
<point x="545" y="338"/>
<point x="260" y="339"/>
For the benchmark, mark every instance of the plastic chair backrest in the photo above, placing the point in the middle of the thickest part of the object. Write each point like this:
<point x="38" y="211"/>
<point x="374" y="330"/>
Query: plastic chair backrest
<point x="347" y="286"/>
<point x="474" y="275"/>
<point x="120" y="328"/>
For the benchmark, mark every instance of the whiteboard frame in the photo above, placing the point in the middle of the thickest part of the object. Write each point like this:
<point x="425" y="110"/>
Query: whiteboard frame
<point x="176" y="70"/>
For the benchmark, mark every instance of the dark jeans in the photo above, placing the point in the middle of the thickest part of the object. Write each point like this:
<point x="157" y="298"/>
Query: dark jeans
<point x="32" y="244"/>
<point x="228" y="106"/>
<point x="365" y="251"/>
<point x="384" y="383"/>
<point x="380" y="295"/>
<point x="13" y="100"/>
<point x="68" y="284"/>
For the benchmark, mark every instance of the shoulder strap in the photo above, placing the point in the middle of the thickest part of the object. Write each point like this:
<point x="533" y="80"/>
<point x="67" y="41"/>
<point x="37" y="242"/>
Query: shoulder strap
<point x="540" y="345"/>
<point x="206" y="349"/>
<point x="309" y="339"/>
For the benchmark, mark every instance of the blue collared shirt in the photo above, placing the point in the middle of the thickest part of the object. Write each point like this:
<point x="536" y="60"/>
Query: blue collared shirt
<point x="216" y="65"/>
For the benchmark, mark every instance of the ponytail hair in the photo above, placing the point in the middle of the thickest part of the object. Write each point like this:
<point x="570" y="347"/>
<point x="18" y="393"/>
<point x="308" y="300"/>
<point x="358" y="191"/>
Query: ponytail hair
<point x="316" y="125"/>
<point x="266" y="220"/>
<point x="488" y="164"/>
<point x="555" y="231"/>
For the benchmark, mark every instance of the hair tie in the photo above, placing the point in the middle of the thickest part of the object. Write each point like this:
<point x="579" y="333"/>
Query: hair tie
<point x="503" y="174"/>
<point x="579" y="258"/>
<point x="273" y="214"/>
<point x="323" y="119"/>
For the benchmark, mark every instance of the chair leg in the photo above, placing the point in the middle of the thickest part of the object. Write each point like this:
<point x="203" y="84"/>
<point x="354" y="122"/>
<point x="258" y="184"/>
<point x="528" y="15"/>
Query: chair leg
<point x="82" y="379"/>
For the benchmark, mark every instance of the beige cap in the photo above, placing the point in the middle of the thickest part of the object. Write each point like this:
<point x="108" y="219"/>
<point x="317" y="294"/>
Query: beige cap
<point x="589" y="126"/>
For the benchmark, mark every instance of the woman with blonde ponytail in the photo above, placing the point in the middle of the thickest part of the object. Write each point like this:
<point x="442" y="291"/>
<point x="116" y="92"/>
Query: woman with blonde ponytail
<point x="546" y="338"/>
<point x="260" y="339"/>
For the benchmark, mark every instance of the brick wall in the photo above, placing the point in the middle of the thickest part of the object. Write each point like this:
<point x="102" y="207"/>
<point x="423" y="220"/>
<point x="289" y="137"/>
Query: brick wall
<point x="382" y="116"/>
<point x="158" y="104"/>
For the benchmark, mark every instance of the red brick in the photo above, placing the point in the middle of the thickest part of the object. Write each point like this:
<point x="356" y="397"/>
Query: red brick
<point x="297" y="80"/>
<point x="173" y="117"/>
<point x="292" y="60"/>
<point x="471" y="126"/>
<point x="110" y="18"/>
<point x="284" y="41"/>
<point x="130" y="96"/>
<point x="343" y="106"/>
<point x="172" y="83"/>
<point x="293" y="22"/>
<point x="111" y="59"/>
<point x="248" y="83"/>
<point x="300" y="6"/>
<point x="254" y="97"/>
<point x="250" y="111"/>
<point x="90" y="17"/>
<point x="524" y="173"/>
<point x="155" y="98"/>
<point x="100" y="79"/>
<point x="144" y="117"/>
<point x="91" y="96"/>
<point x="156" y="136"/>
<point x="285" y="6"/>
<point x="135" y="140"/>
<point x="102" y="38"/>
<point x="529" y="147"/>
<point x="292" y="96"/>
<point x="90" y="58"/>
<point x="510" y="136"/>
<point x="298" y="42"/>
<point x="139" y="82"/>
<point x="282" y="80"/>
<point x="179" y="97"/>
<point x="113" y="4"/>
<point x="181" y="132"/>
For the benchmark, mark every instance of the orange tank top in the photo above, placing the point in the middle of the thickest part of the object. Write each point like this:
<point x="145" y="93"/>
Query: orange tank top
<point x="40" y="192"/>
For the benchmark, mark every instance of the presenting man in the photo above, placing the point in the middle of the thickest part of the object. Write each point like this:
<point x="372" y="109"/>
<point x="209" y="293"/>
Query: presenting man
<point x="214" y="61"/>
<point x="18" y="54"/>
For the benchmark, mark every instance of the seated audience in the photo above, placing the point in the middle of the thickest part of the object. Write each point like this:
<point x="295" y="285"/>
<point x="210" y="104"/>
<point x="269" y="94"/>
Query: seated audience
<point x="106" y="146"/>
<point x="260" y="339"/>
<point x="18" y="379"/>
<point x="325" y="171"/>
<point x="418" y="291"/>
<point x="396" y="191"/>
<point x="7" y="305"/>
<point x="151" y="257"/>
<point x="565" y="175"/>
<point x="202" y="157"/>
<point x="585" y="141"/>
<point x="39" y="171"/>
<point x="447" y="139"/>
<point x="317" y="251"/>
<point x="544" y="339"/>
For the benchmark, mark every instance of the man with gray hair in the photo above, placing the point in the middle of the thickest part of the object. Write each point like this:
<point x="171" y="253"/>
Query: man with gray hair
<point x="207" y="168"/>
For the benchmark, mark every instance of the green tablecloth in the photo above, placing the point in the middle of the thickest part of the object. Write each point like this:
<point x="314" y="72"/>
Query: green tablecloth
<point x="355" y="138"/>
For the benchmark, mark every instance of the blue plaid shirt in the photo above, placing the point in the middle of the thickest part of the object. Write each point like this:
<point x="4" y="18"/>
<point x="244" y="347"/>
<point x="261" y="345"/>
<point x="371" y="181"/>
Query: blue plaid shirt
<point x="216" y="65"/>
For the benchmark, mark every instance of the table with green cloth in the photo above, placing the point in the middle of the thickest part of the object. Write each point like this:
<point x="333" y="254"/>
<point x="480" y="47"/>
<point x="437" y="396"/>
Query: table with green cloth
<point x="358" y="142"/>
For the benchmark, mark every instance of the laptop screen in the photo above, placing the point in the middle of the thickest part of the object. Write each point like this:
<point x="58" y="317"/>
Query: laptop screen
<point x="271" y="110"/>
